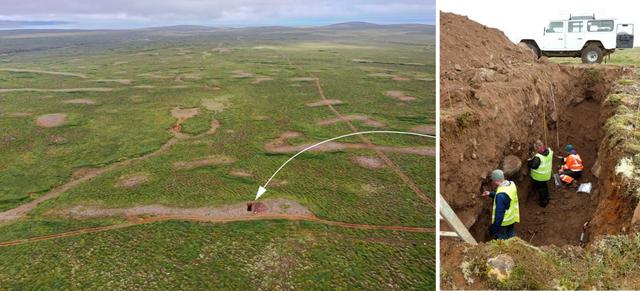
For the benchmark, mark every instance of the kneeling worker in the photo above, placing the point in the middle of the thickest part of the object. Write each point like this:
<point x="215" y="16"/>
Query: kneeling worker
<point x="572" y="166"/>
<point x="506" y="210"/>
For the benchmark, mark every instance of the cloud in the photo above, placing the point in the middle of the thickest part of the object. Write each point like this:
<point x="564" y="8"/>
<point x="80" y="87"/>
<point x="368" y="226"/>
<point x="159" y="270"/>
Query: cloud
<point x="215" y="12"/>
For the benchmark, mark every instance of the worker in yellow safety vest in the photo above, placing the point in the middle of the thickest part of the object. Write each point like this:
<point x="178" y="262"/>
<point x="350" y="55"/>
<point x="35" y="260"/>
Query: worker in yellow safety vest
<point x="540" y="170"/>
<point x="506" y="209"/>
<point x="572" y="167"/>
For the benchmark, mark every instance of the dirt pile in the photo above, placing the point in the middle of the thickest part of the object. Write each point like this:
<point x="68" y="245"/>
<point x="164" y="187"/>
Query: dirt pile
<point x="259" y="80"/>
<point x="467" y="47"/>
<point x="132" y="180"/>
<point x="208" y="161"/>
<point x="80" y="101"/>
<point x="51" y="120"/>
<point x="496" y="100"/>
<point x="399" y="95"/>
<point x="275" y="206"/>
<point x="368" y="162"/>
<point x="325" y="103"/>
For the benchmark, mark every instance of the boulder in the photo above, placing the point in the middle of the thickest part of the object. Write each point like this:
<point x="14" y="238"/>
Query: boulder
<point x="511" y="165"/>
<point x="500" y="267"/>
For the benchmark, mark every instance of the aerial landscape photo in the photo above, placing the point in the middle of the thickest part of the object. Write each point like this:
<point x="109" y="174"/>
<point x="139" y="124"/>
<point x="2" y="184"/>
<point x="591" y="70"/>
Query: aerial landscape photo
<point x="134" y="136"/>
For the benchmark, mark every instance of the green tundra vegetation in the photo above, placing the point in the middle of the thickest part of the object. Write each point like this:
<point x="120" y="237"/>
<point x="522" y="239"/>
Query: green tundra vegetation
<point x="100" y="130"/>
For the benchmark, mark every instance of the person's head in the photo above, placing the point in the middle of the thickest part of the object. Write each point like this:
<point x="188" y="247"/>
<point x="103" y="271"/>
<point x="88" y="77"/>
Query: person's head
<point x="538" y="146"/>
<point x="569" y="148"/>
<point x="497" y="177"/>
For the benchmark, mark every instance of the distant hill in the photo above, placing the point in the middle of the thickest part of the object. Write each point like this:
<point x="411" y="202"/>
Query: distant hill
<point x="21" y="40"/>
<point x="20" y="24"/>
<point x="353" y="25"/>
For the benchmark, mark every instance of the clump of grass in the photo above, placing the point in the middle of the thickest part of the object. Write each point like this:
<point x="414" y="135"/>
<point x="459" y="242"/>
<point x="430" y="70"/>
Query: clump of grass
<point x="464" y="119"/>
<point x="626" y="82"/>
<point x="590" y="77"/>
<point x="616" y="99"/>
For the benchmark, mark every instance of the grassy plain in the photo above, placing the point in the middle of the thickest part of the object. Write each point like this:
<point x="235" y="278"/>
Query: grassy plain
<point x="143" y="76"/>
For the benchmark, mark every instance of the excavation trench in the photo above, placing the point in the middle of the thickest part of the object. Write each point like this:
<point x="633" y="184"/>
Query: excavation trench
<point x="578" y="118"/>
<point x="561" y="222"/>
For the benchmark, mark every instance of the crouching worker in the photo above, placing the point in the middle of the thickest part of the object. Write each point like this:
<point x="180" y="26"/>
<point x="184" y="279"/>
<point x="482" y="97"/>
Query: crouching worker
<point x="572" y="167"/>
<point x="540" y="171"/>
<point x="506" y="210"/>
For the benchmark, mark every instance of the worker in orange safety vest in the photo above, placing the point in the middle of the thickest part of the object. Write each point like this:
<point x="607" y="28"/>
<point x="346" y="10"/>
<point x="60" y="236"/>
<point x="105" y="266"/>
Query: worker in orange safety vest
<point x="572" y="167"/>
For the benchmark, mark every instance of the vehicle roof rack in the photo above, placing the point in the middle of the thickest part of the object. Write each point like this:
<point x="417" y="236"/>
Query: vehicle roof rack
<point x="582" y="17"/>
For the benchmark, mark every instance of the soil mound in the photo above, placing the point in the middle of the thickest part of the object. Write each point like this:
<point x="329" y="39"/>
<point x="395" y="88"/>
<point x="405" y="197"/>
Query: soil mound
<point x="213" y="105"/>
<point x="369" y="162"/>
<point x="325" y="102"/>
<point x="183" y="114"/>
<point x="209" y="161"/>
<point x="80" y="101"/>
<point x="240" y="173"/>
<point x="239" y="74"/>
<point x="426" y="129"/>
<point x="121" y="81"/>
<point x="132" y="180"/>
<point x="259" y="80"/>
<point x="51" y="120"/>
<point x="399" y="95"/>
<point x="467" y="45"/>
<point x="274" y="206"/>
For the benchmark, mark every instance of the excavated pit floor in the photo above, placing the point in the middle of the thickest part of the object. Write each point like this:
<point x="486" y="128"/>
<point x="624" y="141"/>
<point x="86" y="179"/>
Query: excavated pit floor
<point x="561" y="222"/>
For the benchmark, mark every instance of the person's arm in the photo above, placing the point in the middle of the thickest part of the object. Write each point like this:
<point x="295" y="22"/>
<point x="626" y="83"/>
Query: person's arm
<point x="533" y="163"/>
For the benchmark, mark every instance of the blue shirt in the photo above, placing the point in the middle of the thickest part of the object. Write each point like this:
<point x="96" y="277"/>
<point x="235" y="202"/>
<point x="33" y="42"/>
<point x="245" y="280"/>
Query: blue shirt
<point x="502" y="204"/>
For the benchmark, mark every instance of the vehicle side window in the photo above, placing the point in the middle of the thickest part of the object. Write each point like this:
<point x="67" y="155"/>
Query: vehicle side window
<point x="599" y="25"/>
<point x="555" y="27"/>
<point x="575" y="26"/>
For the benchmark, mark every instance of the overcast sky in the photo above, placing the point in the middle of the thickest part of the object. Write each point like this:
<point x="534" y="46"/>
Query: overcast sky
<point x="145" y="13"/>
<point x="521" y="19"/>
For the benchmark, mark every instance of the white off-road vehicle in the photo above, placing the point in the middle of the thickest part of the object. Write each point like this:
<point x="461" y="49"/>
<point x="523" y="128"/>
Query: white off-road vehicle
<point x="582" y="37"/>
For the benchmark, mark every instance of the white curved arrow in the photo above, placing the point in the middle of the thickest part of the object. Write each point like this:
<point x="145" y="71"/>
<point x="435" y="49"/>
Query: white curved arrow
<point x="263" y="189"/>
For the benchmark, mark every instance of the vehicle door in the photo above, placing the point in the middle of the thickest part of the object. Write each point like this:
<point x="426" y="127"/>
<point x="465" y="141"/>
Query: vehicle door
<point x="575" y="35"/>
<point x="554" y="36"/>
<point x="624" y="35"/>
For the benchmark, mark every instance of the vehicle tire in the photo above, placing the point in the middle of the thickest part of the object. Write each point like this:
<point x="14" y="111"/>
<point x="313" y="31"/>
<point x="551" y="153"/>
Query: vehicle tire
<point x="592" y="54"/>
<point x="533" y="47"/>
